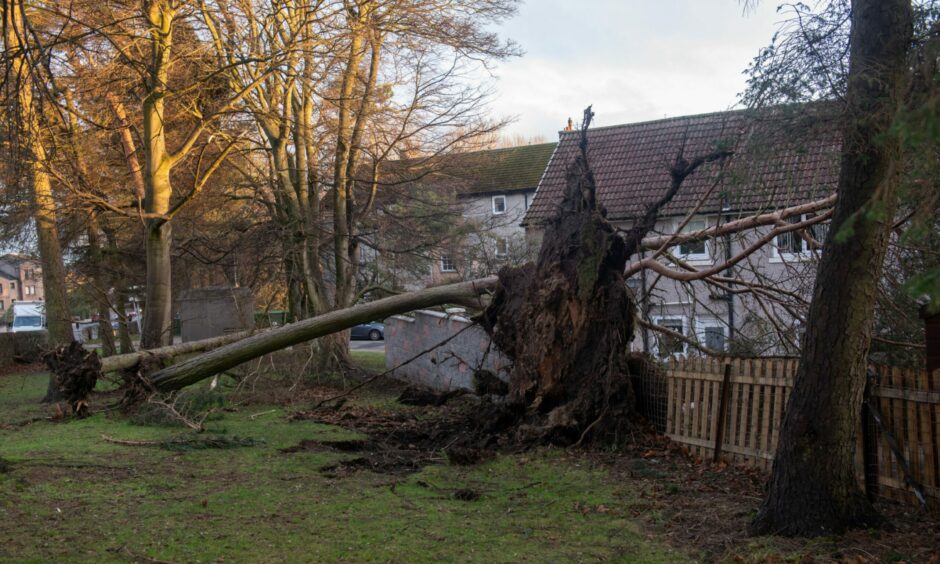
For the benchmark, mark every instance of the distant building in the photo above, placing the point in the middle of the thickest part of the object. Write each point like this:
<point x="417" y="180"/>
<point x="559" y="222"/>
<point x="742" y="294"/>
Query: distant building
<point x="20" y="279"/>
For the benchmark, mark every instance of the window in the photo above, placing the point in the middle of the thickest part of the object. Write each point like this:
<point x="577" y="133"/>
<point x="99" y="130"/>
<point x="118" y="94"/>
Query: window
<point x="13" y="285"/>
<point x="1" y="288"/>
<point x="694" y="250"/>
<point x="668" y="345"/>
<point x="793" y="245"/>
<point x="1" y="305"/>
<point x="499" y="205"/>
<point x="447" y="264"/>
<point x="30" y="290"/>
<point x="502" y="247"/>
<point x="633" y="284"/>
<point x="711" y="335"/>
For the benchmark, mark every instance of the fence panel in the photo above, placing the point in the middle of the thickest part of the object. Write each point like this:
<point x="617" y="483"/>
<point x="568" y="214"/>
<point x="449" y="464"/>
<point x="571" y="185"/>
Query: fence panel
<point x="908" y="400"/>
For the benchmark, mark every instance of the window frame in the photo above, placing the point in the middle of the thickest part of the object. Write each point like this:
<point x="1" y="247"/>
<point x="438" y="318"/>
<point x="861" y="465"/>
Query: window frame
<point x="805" y="252"/>
<point x="505" y="204"/>
<point x="658" y="320"/>
<point x="702" y="326"/>
<point x="695" y="257"/>
<point x="505" y="245"/>
<point x="453" y="264"/>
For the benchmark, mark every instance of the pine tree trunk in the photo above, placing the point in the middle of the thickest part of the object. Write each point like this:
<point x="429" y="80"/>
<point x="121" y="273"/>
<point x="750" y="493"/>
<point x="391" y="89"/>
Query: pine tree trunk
<point x="813" y="489"/>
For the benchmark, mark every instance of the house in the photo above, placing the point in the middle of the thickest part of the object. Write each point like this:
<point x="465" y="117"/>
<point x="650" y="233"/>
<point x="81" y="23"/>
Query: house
<point x="20" y="279"/>
<point x="495" y="189"/>
<point x="486" y="193"/>
<point x="781" y="158"/>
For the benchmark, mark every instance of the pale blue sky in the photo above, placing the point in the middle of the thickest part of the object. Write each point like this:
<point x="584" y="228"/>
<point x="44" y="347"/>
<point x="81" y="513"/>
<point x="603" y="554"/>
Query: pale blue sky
<point x="633" y="59"/>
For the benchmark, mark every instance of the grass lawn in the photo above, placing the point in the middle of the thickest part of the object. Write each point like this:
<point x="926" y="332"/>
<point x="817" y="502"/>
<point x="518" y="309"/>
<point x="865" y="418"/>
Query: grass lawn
<point x="130" y="489"/>
<point x="69" y="494"/>
<point x="372" y="361"/>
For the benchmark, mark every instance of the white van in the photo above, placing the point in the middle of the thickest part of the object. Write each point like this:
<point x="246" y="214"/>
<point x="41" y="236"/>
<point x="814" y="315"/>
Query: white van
<point x="29" y="316"/>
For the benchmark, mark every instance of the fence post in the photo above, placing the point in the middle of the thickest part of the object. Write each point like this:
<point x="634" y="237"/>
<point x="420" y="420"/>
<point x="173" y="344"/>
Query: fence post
<point x="870" y="438"/>
<point x="722" y="411"/>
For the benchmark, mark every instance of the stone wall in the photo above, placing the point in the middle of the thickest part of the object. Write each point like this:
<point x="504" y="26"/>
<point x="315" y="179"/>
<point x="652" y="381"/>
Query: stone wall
<point x="213" y="312"/>
<point x="450" y="366"/>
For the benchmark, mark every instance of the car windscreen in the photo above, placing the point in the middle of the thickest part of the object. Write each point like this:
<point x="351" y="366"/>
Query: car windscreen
<point x="28" y="321"/>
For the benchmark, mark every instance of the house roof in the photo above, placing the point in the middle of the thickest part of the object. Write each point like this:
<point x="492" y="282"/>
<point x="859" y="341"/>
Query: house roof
<point x="8" y="271"/>
<point x="781" y="158"/>
<point x="480" y="172"/>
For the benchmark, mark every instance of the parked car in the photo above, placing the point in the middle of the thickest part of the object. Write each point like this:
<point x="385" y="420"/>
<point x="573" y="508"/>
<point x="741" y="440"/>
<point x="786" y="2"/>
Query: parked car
<point x="373" y="331"/>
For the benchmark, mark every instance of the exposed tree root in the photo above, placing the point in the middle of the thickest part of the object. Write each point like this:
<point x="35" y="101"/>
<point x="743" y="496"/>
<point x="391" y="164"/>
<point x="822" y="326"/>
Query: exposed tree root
<point x="76" y="372"/>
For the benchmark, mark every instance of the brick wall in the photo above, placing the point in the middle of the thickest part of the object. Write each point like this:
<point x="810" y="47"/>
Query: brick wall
<point x="450" y="366"/>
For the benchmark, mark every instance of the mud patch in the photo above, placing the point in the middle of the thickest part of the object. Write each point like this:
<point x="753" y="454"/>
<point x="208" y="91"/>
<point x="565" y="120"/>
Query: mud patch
<point x="401" y="441"/>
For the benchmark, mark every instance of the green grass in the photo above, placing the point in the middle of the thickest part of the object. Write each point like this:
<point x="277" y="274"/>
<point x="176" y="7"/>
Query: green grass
<point x="372" y="361"/>
<point x="71" y="495"/>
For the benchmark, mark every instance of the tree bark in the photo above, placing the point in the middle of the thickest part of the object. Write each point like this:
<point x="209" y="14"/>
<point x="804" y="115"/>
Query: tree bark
<point x="58" y="316"/>
<point x="813" y="489"/>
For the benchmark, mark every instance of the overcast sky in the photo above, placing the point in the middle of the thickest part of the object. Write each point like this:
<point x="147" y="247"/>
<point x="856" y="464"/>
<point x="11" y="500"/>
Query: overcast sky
<point x="634" y="60"/>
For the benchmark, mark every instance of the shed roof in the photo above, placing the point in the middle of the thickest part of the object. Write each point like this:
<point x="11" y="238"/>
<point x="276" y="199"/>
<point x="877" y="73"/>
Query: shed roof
<point x="781" y="158"/>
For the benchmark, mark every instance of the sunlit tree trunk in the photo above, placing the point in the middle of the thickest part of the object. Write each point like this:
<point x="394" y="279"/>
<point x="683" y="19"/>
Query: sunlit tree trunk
<point x="157" y="325"/>
<point x="29" y="134"/>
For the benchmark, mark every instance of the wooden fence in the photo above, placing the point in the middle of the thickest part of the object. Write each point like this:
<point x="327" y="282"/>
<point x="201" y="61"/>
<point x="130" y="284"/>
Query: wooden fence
<point x="753" y="406"/>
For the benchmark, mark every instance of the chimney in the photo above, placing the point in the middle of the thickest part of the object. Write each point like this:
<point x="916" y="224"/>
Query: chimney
<point x="570" y="126"/>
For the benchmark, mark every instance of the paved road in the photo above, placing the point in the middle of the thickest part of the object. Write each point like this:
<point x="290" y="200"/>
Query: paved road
<point x="375" y="346"/>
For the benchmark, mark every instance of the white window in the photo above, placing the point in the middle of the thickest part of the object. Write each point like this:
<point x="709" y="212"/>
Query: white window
<point x="712" y="334"/>
<point x="30" y="290"/>
<point x="668" y="345"/>
<point x="448" y="264"/>
<point x="794" y="246"/>
<point x="499" y="205"/>
<point x="694" y="250"/>
<point x="502" y="247"/>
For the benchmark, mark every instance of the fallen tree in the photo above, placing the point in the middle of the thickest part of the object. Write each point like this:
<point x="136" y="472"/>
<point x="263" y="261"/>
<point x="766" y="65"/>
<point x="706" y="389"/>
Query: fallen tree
<point x="150" y="373"/>
<point x="220" y="359"/>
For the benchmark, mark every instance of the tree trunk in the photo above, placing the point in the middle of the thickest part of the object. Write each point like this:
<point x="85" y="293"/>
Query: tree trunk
<point x="232" y="350"/>
<point x="158" y="320"/>
<point x="58" y="316"/>
<point x="813" y="489"/>
<point x="158" y="312"/>
<point x="203" y="366"/>
<point x="334" y="353"/>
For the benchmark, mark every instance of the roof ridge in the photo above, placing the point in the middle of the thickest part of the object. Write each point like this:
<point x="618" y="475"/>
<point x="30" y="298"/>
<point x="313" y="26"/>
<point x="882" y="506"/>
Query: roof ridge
<point x="660" y="120"/>
<point x="498" y="149"/>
